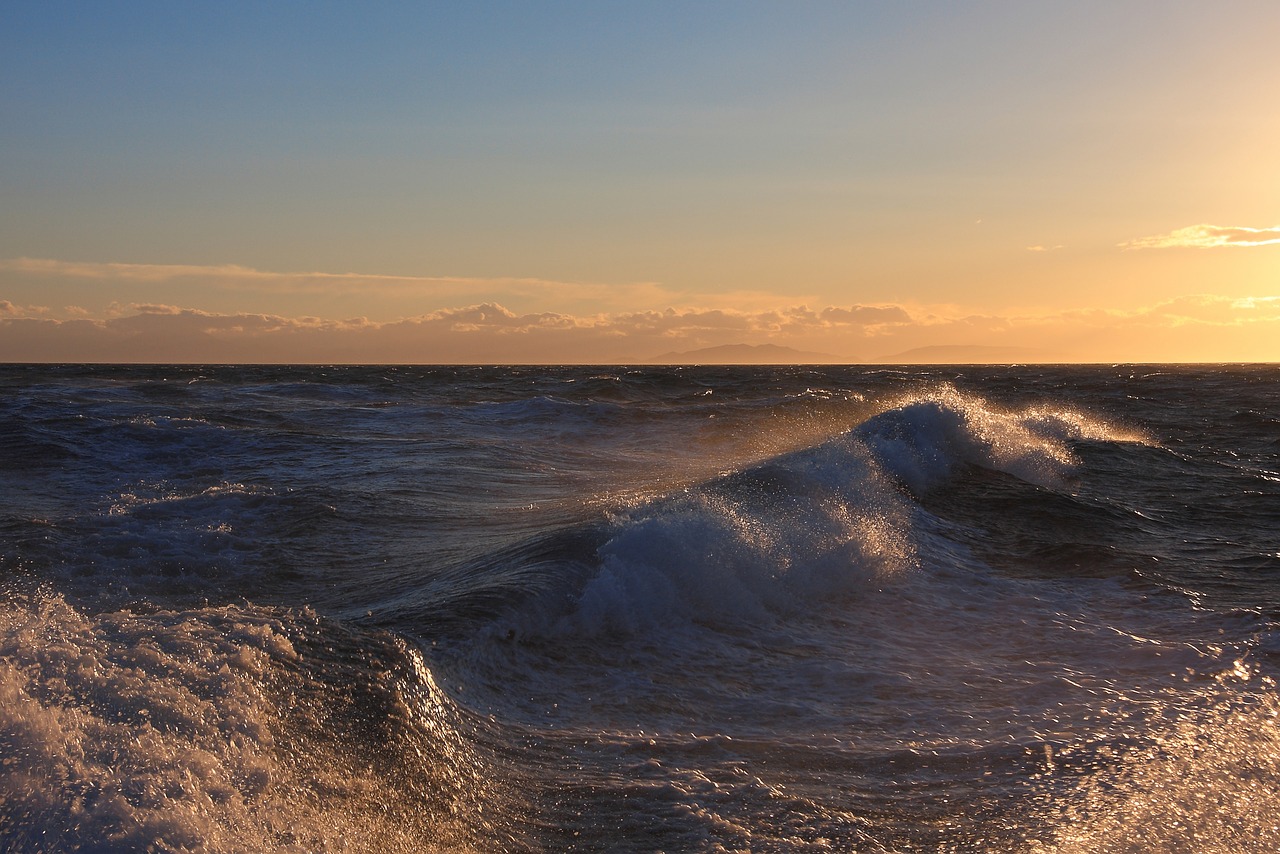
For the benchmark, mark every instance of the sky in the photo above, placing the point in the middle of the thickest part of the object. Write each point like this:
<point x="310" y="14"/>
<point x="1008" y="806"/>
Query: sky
<point x="608" y="182"/>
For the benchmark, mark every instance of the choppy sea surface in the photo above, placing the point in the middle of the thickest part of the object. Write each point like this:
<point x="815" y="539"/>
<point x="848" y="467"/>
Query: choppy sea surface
<point x="404" y="609"/>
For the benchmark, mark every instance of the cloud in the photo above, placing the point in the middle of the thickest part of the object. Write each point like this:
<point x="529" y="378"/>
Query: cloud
<point x="1189" y="328"/>
<point x="1206" y="236"/>
<point x="1039" y="248"/>
<point x="133" y="272"/>
<point x="233" y="273"/>
<point x="484" y="332"/>
<point x="867" y="315"/>
<point x="9" y="309"/>
<point x="387" y="296"/>
<point x="234" y="277"/>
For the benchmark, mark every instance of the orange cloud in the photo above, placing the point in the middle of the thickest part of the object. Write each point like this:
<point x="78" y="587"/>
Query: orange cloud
<point x="1206" y="236"/>
<point x="10" y="309"/>
<point x="235" y="273"/>
<point x="1198" y="328"/>
<point x="238" y="279"/>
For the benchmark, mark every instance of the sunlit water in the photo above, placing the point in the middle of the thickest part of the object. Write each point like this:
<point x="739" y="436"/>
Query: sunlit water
<point x="600" y="609"/>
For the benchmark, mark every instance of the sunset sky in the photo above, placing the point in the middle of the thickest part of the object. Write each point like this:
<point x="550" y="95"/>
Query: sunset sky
<point x="610" y="181"/>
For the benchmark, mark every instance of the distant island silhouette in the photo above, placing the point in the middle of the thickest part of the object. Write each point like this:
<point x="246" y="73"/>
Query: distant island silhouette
<point x="744" y="354"/>
<point x="776" y="354"/>
<point x="963" y="354"/>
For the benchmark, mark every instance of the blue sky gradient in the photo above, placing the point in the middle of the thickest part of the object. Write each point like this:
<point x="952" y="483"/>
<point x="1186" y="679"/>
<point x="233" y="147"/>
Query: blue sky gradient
<point x="990" y="158"/>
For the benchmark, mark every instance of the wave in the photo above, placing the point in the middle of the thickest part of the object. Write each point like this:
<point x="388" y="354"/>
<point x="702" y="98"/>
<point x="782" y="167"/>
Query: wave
<point x="789" y="533"/>
<point x="23" y="448"/>
<point x="795" y="617"/>
<point x="165" y="539"/>
<point x="812" y="612"/>
<point x="228" y="729"/>
<point x="1201" y="777"/>
<point x="921" y="439"/>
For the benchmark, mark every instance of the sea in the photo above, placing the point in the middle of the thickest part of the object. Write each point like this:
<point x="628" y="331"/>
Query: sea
<point x="640" y="609"/>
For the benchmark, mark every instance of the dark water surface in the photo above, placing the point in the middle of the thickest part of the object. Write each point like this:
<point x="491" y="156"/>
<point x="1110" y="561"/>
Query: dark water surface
<point x="665" y="609"/>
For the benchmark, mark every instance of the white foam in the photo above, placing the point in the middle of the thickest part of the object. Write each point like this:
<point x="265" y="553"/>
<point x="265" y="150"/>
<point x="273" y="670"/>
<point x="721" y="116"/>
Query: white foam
<point x="789" y="533"/>
<point x="750" y="546"/>
<point x="151" y="494"/>
<point x="197" y="731"/>
<point x="1203" y="780"/>
<point x="923" y="438"/>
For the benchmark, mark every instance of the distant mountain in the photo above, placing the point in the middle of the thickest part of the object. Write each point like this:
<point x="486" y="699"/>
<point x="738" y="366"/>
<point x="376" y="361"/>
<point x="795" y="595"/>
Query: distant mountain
<point x="744" y="354"/>
<point x="963" y="354"/>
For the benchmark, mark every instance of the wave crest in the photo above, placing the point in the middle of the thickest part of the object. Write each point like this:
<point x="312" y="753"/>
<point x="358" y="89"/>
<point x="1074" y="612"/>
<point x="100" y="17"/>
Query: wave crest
<point x="219" y="729"/>
<point x="921" y="439"/>
<point x="787" y="534"/>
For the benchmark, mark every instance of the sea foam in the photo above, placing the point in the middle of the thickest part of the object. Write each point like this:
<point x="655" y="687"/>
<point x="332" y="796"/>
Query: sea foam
<point x="210" y="730"/>
<point x="797" y="529"/>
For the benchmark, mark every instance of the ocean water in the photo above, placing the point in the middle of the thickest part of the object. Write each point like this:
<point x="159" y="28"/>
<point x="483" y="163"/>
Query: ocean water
<point x="663" y="609"/>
